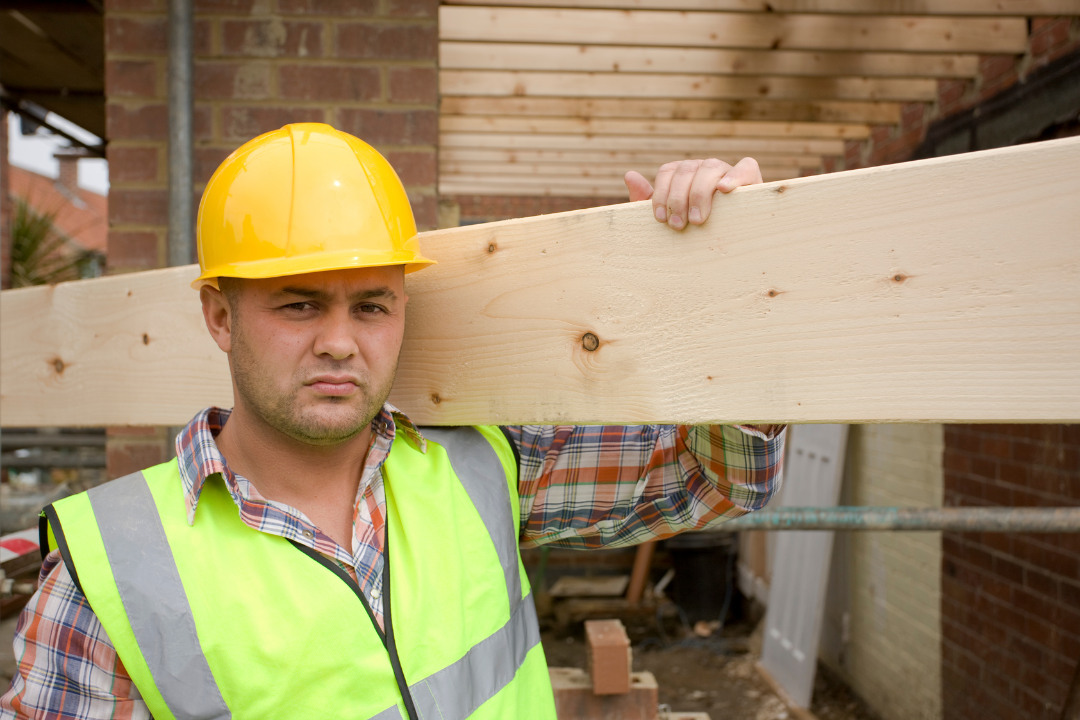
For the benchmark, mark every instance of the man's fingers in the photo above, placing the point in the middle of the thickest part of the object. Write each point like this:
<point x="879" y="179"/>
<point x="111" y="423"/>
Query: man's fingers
<point x="703" y="188"/>
<point x="679" y="193"/>
<point x="660" y="192"/>
<point x="745" y="172"/>
<point x="638" y="187"/>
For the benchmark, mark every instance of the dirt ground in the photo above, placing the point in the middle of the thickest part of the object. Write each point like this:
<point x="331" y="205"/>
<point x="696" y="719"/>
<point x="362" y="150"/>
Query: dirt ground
<point x="698" y="679"/>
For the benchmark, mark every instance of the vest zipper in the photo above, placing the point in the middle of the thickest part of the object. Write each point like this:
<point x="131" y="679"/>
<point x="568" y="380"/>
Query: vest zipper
<point x="387" y="637"/>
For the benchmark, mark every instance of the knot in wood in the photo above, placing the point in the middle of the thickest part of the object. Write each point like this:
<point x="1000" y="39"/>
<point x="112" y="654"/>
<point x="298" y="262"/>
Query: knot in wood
<point x="491" y="248"/>
<point x="590" y="342"/>
<point x="435" y="398"/>
<point x="58" y="366"/>
<point x="145" y="339"/>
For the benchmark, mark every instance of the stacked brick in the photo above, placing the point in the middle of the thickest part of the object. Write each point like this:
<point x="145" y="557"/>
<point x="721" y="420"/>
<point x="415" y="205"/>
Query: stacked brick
<point x="368" y="67"/>
<point x="1010" y="603"/>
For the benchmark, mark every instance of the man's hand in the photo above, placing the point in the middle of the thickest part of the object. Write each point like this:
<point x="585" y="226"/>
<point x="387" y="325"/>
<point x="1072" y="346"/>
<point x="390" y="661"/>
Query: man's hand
<point x="684" y="188"/>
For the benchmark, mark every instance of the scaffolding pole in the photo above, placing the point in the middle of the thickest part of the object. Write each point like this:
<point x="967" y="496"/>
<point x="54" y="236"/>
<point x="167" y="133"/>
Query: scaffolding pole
<point x="951" y="519"/>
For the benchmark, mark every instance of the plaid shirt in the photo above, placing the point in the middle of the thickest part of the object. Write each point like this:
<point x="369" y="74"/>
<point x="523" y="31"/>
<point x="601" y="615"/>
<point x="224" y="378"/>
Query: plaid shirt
<point x="580" y="487"/>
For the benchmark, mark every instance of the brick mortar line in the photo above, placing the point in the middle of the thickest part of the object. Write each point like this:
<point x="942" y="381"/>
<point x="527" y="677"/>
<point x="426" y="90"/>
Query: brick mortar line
<point x="1025" y="564"/>
<point x="1027" y="616"/>
<point x="969" y="634"/>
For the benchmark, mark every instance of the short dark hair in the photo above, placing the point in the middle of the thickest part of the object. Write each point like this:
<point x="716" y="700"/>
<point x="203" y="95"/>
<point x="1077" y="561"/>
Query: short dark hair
<point x="230" y="288"/>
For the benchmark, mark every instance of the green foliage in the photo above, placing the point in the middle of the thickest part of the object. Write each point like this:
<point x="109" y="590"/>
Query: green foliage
<point x="40" y="253"/>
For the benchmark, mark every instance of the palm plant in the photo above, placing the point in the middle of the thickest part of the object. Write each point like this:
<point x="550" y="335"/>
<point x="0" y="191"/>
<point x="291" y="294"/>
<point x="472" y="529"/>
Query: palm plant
<point x="40" y="253"/>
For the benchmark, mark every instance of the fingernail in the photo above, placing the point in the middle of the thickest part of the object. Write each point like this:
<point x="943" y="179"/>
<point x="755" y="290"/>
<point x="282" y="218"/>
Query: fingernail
<point x="695" y="215"/>
<point x="661" y="213"/>
<point x="675" y="221"/>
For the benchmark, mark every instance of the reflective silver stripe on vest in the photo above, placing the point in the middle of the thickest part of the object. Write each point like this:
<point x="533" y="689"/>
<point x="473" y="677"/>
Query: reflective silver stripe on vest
<point x="154" y="598"/>
<point x="390" y="713"/>
<point x="481" y="473"/>
<point x="456" y="691"/>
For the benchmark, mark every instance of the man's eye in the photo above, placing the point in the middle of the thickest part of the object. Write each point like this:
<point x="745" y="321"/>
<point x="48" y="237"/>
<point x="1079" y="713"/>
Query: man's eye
<point x="371" y="308"/>
<point x="299" y="306"/>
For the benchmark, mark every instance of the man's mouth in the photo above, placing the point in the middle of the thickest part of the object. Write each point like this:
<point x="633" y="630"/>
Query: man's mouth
<point x="334" y="385"/>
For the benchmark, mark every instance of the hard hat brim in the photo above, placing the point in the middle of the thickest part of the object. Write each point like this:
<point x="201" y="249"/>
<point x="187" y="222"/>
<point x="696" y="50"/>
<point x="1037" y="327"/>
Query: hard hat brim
<point x="321" y="262"/>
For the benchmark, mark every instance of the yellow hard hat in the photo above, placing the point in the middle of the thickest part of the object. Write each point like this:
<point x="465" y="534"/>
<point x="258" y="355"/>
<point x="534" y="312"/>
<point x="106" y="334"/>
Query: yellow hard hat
<point x="305" y="198"/>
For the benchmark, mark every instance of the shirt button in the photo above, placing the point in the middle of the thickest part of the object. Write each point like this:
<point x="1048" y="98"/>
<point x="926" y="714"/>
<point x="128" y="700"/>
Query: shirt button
<point x="374" y="594"/>
<point x="307" y="533"/>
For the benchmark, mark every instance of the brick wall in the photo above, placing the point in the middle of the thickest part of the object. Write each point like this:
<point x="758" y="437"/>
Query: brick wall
<point x="368" y="67"/>
<point x="888" y="583"/>
<point x="1050" y="39"/>
<point x="1010" y="603"/>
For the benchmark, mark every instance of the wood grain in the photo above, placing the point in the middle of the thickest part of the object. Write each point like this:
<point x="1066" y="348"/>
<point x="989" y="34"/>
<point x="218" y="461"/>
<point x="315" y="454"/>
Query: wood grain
<point x="506" y="159"/>
<point x="593" y="185"/>
<point x="653" y="128"/>
<point x="1020" y="8"/>
<point x="884" y="113"/>
<point x="874" y="33"/>
<point x="506" y="141"/>
<point x="516" y="83"/>
<point x="684" y="60"/>
<point x="927" y="291"/>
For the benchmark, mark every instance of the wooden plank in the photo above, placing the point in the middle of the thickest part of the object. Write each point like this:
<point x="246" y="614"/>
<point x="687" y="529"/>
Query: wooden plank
<point x="926" y="291"/>
<point x="1020" y="8"/>
<point x="654" y="128"/>
<point x="632" y="160"/>
<point x="874" y="33"/>
<point x="616" y="142"/>
<point x="595" y="186"/>
<point x="515" y="83"/>
<point x="606" y="170"/>
<point x="684" y="60"/>
<point x="883" y="113"/>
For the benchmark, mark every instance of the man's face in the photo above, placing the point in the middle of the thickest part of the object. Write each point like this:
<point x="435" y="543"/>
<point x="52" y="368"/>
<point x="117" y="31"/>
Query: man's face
<point x="314" y="356"/>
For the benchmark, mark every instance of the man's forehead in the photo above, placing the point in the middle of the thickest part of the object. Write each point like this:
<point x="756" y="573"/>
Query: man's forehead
<point x="388" y="281"/>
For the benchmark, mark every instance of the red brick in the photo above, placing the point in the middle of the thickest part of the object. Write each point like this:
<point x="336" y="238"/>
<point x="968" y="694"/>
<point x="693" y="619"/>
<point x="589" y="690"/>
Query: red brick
<point x="236" y="81"/>
<point x="149" y="122"/>
<point x="244" y="123"/>
<point x="1050" y="35"/>
<point x="335" y="8"/>
<point x="131" y="78"/>
<point x="136" y="36"/>
<point x="413" y="85"/>
<point x="272" y="38"/>
<point x="123" y="459"/>
<point x="207" y="161"/>
<point x="391" y="127"/>
<point x="132" y="250"/>
<point x="414" y="168"/>
<point x="138" y="207"/>
<point x="608" y="656"/>
<point x="387" y="42"/>
<point x="329" y="82"/>
<point x="413" y="8"/>
<point x="574" y="697"/>
<point x="132" y="164"/>
<point x="239" y="7"/>
<point x="425" y="210"/>
<point x="133" y="431"/>
<point x="115" y="6"/>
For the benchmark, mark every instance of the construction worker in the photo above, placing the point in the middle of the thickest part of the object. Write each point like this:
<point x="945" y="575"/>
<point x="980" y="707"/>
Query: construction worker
<point x="312" y="553"/>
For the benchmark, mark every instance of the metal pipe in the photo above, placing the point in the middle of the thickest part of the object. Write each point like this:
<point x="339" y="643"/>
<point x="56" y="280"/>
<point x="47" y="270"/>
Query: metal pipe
<point x="952" y="519"/>
<point x="181" y="132"/>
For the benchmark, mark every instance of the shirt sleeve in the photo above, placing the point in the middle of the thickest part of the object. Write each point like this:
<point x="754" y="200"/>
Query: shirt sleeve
<point x="67" y="667"/>
<point x="587" y="487"/>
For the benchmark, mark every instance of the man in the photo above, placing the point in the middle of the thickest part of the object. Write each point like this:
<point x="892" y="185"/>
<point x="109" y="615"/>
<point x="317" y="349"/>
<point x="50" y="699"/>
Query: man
<point x="312" y="553"/>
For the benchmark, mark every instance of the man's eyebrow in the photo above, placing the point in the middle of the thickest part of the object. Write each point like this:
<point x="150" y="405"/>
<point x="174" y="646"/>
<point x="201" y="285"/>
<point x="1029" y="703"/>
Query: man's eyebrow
<point x="315" y="294"/>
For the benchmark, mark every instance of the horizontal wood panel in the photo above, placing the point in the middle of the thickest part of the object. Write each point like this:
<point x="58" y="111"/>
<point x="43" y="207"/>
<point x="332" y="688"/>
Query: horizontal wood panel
<point x="643" y="59"/>
<point x="922" y="291"/>
<point x="792" y="111"/>
<point x="600" y="191"/>
<point x="653" y="128"/>
<point x="554" y="186"/>
<point x="719" y="87"/>
<point x="612" y="142"/>
<point x="875" y="33"/>
<point x="597" y="170"/>
<point x="624" y="158"/>
<point x="862" y="7"/>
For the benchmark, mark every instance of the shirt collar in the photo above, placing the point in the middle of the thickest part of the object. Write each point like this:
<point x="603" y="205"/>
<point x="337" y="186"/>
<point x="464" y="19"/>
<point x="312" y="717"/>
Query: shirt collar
<point x="199" y="458"/>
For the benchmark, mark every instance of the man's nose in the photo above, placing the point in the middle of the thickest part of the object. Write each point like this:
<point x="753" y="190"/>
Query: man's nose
<point x="335" y="339"/>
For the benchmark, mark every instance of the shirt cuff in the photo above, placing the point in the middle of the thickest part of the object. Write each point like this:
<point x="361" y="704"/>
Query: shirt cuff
<point x="765" y="432"/>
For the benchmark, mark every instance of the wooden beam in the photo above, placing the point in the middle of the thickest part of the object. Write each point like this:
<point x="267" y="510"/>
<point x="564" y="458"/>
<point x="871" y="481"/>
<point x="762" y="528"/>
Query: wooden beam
<point x="653" y="128"/>
<point x="615" y="142"/>
<point x="1022" y="8"/>
<point x="874" y="33"/>
<point x="687" y="61"/>
<point x="881" y="113"/>
<point x="926" y="291"/>
<point x="714" y="87"/>
<point x="627" y="159"/>
<point x="547" y="186"/>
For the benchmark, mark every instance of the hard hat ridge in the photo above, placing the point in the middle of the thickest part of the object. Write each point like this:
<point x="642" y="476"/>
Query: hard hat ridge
<point x="305" y="198"/>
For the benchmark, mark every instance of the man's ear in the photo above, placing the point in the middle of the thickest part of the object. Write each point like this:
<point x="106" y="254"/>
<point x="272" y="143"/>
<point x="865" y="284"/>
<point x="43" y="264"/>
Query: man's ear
<point x="218" y="315"/>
